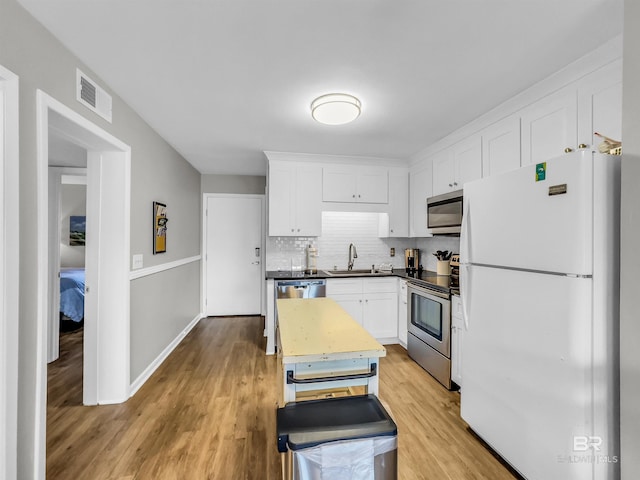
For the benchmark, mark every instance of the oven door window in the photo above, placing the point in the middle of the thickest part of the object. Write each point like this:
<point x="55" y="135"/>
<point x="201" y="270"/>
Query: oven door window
<point x="426" y="314"/>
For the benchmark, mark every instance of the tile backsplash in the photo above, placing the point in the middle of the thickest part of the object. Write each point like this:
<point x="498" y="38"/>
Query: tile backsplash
<point x="428" y="246"/>
<point x="339" y="229"/>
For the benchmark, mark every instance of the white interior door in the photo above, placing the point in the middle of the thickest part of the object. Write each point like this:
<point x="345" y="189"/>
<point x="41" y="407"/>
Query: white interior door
<point x="233" y="254"/>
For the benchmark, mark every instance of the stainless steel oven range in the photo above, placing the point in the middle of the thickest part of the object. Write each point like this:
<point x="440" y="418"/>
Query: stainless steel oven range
<point x="429" y="326"/>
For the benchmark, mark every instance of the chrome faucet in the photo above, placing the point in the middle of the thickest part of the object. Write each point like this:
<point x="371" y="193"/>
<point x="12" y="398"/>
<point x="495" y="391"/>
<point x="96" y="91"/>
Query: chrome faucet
<point x="353" y="254"/>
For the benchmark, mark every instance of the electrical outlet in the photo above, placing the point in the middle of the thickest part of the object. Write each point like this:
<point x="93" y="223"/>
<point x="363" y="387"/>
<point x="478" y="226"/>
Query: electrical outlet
<point x="392" y="252"/>
<point x="137" y="261"/>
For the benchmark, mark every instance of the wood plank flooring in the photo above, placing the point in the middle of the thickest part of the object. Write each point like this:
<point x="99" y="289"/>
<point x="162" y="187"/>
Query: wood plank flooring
<point x="209" y="413"/>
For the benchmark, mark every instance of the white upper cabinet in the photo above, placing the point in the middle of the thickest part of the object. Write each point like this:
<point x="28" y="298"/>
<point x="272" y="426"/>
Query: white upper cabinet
<point x="396" y="222"/>
<point x="420" y="188"/>
<point x="295" y="199"/>
<point x="443" y="172"/>
<point x="501" y="146"/>
<point x="600" y="105"/>
<point x="549" y="126"/>
<point x="467" y="159"/>
<point x="355" y="184"/>
<point x="457" y="165"/>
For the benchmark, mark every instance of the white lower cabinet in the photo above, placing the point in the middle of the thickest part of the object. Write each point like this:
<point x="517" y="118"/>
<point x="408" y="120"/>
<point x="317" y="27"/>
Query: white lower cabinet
<point x="457" y="340"/>
<point x="402" y="312"/>
<point x="372" y="302"/>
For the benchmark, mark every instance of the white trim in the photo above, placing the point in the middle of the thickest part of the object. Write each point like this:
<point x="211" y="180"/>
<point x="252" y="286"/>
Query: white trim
<point x="146" y="374"/>
<point x="336" y="159"/>
<point x="53" y="330"/>
<point x="106" y="347"/>
<point x="9" y="268"/>
<point x="144" y="272"/>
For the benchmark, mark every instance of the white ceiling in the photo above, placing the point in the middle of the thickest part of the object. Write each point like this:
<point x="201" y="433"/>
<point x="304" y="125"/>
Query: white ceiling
<point x="224" y="80"/>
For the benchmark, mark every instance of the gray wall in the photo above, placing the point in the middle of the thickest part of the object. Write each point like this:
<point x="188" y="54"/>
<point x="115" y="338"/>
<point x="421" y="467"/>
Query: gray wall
<point x="245" y="184"/>
<point x="630" y="265"/>
<point x="157" y="173"/>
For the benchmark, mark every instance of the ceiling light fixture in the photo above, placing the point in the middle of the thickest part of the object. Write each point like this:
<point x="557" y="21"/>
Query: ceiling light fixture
<point x="335" y="108"/>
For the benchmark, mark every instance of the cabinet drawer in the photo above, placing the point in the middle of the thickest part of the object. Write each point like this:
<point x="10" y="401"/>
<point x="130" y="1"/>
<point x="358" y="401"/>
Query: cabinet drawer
<point x="341" y="286"/>
<point x="381" y="285"/>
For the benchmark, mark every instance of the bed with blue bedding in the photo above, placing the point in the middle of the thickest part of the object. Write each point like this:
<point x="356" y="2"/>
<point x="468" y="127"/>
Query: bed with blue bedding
<point x="72" y="294"/>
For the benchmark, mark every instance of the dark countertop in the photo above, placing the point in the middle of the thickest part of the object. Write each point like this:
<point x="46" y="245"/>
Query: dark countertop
<point x="426" y="278"/>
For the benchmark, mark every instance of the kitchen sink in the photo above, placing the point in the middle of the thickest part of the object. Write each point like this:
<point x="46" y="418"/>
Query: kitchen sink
<point x="357" y="273"/>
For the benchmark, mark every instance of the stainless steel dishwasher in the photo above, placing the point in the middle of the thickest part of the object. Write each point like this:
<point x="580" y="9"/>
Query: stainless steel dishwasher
<point x="301" y="288"/>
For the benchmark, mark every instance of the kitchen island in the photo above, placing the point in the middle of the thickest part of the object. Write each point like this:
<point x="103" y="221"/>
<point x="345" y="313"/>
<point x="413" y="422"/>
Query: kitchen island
<point x="322" y="349"/>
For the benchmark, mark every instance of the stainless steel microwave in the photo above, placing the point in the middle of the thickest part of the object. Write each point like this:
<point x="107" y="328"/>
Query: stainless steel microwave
<point x="444" y="213"/>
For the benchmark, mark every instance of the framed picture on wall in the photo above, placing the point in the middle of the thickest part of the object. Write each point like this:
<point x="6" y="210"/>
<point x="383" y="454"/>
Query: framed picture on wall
<point x="159" y="227"/>
<point x="77" y="230"/>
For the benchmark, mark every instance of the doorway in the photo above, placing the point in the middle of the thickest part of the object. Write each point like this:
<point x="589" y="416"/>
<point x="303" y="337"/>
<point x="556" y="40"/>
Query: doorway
<point x="67" y="259"/>
<point x="106" y="333"/>
<point x="233" y="231"/>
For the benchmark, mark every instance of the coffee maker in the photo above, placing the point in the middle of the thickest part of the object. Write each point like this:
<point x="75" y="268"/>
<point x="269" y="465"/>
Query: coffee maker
<point x="412" y="260"/>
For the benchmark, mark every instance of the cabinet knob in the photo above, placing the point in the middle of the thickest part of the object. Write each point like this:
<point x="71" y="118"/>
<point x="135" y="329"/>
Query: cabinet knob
<point x="451" y="184"/>
<point x="353" y="196"/>
<point x="455" y="184"/>
<point x="583" y="145"/>
<point x="293" y="230"/>
<point x="298" y="229"/>
<point x="392" y="230"/>
<point x="568" y="150"/>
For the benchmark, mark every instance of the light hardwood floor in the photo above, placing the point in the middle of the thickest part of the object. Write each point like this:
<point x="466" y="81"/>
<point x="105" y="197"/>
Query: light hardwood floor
<point x="209" y="413"/>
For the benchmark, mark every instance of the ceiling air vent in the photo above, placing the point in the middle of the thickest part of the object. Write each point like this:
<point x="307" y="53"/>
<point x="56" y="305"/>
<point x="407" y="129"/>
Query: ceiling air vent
<point x="92" y="96"/>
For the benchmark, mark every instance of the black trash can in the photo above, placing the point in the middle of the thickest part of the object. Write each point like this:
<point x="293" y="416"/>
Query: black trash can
<point x="347" y="437"/>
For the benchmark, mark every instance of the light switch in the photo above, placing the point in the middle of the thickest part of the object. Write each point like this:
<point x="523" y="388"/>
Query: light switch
<point x="137" y="261"/>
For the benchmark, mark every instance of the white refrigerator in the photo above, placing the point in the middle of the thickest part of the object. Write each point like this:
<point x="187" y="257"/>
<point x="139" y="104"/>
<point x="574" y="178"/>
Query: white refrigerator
<point x="540" y="292"/>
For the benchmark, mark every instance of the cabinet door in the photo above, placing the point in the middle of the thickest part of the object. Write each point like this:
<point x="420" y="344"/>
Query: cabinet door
<point x="443" y="172"/>
<point x="372" y="185"/>
<point x="398" y="204"/>
<point x="467" y="157"/>
<point x="501" y="146"/>
<point x="352" y="304"/>
<point x="281" y="200"/>
<point x="402" y="312"/>
<point x="381" y="315"/>
<point x="600" y="105"/>
<point x="549" y="126"/>
<point x="339" y="184"/>
<point x="308" y="201"/>
<point x="419" y="191"/>
<point x="457" y="340"/>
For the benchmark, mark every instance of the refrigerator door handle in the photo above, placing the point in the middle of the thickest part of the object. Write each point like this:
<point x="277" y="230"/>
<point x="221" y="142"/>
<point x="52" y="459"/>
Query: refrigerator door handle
<point x="465" y="247"/>
<point x="464" y="293"/>
<point x="465" y="234"/>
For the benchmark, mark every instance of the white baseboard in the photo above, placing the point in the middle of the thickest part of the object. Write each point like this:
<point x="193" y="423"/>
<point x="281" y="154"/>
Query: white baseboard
<point x="144" y="376"/>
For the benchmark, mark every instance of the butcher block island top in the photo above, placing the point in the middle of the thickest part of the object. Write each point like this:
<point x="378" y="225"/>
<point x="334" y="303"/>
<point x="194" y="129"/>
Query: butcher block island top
<point x="318" y="329"/>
